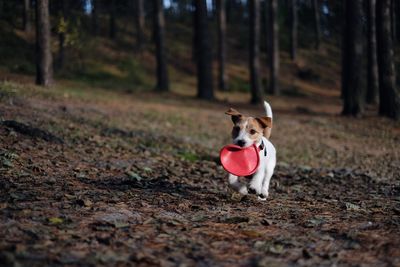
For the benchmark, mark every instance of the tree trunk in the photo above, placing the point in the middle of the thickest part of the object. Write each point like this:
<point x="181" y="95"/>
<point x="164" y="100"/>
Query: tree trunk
<point x="61" y="33"/>
<point x="273" y="47"/>
<point x="95" y="17"/>
<point x="222" y="78"/>
<point x="26" y="16"/>
<point x="62" y="20"/>
<point x="228" y="11"/>
<point x="139" y="23"/>
<point x="61" y="52"/>
<point x="393" y="20"/>
<point x="293" y="29"/>
<point x="194" y="39"/>
<point x="352" y="59"/>
<point x="159" y="23"/>
<point x="254" y="52"/>
<point x="44" y="68"/>
<point x="372" y="63"/>
<point x="113" y="26"/>
<point x="1" y="9"/>
<point x="203" y="52"/>
<point x="389" y="103"/>
<point x="317" y="24"/>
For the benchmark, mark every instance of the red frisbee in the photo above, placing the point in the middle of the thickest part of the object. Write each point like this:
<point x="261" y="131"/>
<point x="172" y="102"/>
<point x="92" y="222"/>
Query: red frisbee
<point x="240" y="161"/>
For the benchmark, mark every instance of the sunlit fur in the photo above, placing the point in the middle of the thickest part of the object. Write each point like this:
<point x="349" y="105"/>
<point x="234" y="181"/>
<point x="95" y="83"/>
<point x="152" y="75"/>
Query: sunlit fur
<point x="247" y="131"/>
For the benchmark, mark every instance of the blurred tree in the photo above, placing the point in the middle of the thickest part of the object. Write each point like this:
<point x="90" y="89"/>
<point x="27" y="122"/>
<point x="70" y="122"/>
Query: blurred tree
<point x="317" y="24"/>
<point x="203" y="52"/>
<point x="254" y="53"/>
<point x="95" y="17"/>
<point x="26" y="15"/>
<point x="159" y="37"/>
<point x="139" y="23"/>
<point x="389" y="103"/>
<point x="112" y="18"/>
<point x="8" y="11"/>
<point x="228" y="7"/>
<point x="293" y="29"/>
<point x="194" y="39"/>
<point x="372" y="64"/>
<point x="393" y="20"/>
<point x="273" y="46"/>
<point x="222" y="78"/>
<point x="44" y="68"/>
<point x="352" y="89"/>
<point x="61" y="29"/>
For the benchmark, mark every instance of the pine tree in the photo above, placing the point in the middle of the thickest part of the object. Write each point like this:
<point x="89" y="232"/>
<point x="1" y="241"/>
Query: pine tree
<point x="389" y="95"/>
<point x="222" y="78"/>
<point x="254" y="53"/>
<point x="352" y="59"/>
<point x="372" y="63"/>
<point x="205" y="88"/>
<point x="273" y="46"/>
<point x="44" y="68"/>
<point x="159" y="37"/>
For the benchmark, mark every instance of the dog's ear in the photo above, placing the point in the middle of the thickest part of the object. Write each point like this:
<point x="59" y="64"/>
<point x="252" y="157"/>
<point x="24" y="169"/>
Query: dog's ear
<point x="235" y="115"/>
<point x="233" y="112"/>
<point x="265" y="122"/>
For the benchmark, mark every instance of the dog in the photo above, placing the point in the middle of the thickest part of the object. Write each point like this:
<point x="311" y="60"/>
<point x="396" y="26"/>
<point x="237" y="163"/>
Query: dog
<point x="247" y="131"/>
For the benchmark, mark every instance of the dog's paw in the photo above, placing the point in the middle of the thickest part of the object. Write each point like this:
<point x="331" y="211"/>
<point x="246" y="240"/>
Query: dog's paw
<point x="264" y="192"/>
<point x="243" y="190"/>
<point x="262" y="197"/>
<point x="254" y="189"/>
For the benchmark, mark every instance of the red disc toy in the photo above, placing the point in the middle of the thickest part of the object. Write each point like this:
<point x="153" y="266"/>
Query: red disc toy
<point x="240" y="161"/>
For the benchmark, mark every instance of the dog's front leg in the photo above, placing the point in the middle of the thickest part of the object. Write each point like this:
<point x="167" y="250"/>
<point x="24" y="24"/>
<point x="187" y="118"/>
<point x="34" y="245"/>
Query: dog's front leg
<point x="269" y="171"/>
<point x="236" y="185"/>
<point x="265" y="185"/>
<point x="256" y="181"/>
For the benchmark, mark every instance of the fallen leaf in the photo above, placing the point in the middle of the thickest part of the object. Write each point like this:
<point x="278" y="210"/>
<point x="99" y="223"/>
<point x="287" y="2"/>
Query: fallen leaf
<point x="236" y="219"/>
<point x="134" y="175"/>
<point x="353" y="207"/>
<point x="55" y="220"/>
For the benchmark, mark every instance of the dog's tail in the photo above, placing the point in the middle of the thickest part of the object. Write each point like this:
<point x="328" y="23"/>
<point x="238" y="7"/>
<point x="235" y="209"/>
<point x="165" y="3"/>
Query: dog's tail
<point x="268" y="109"/>
<point x="268" y="112"/>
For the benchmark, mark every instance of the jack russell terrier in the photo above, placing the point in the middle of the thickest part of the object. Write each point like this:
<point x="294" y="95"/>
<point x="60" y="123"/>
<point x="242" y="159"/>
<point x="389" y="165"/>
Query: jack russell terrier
<point x="246" y="132"/>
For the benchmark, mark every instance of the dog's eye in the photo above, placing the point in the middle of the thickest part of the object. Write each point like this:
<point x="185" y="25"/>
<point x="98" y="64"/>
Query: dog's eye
<point x="252" y="131"/>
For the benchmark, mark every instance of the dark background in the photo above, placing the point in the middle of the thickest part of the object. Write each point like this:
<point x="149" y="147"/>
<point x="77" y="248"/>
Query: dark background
<point x="112" y="118"/>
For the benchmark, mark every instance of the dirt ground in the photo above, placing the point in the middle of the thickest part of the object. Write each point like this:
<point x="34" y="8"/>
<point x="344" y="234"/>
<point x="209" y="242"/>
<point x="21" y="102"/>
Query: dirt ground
<point x="112" y="179"/>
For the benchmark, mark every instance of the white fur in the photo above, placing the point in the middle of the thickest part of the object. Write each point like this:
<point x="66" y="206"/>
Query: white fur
<point x="268" y="109"/>
<point x="262" y="177"/>
<point x="244" y="136"/>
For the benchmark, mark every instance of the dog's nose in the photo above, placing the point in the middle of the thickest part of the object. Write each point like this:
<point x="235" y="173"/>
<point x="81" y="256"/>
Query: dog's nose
<point x="240" y="143"/>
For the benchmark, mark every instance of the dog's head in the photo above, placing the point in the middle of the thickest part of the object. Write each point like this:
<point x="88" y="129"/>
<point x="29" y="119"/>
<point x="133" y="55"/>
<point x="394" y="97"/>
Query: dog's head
<point x="247" y="131"/>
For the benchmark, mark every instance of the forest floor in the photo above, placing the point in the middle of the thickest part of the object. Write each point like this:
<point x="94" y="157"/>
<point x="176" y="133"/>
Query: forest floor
<point x="93" y="177"/>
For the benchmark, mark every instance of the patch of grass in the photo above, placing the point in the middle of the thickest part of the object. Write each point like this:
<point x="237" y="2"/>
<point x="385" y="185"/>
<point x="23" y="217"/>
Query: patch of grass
<point x="7" y="90"/>
<point x="237" y="84"/>
<point x="293" y="91"/>
<point x="17" y="54"/>
<point x="127" y="74"/>
<point x="134" y="72"/>
<point x="188" y="155"/>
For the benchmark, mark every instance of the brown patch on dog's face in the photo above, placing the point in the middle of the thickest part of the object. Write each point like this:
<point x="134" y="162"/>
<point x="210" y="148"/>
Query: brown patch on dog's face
<point x="254" y="129"/>
<point x="266" y="122"/>
<point x="236" y="116"/>
<point x="239" y="125"/>
<point x="247" y="130"/>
